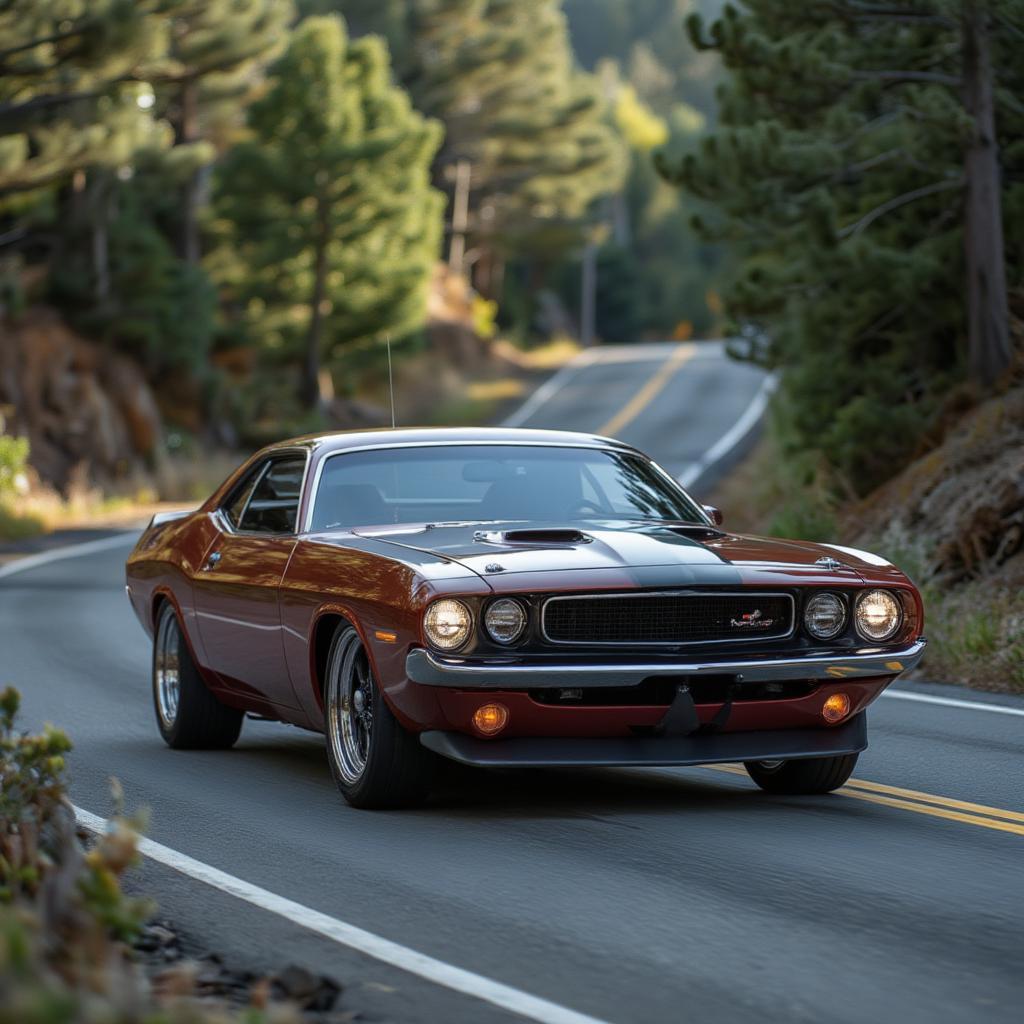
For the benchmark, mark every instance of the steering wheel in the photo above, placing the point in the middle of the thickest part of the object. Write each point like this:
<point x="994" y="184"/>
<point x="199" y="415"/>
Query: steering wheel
<point x="583" y="507"/>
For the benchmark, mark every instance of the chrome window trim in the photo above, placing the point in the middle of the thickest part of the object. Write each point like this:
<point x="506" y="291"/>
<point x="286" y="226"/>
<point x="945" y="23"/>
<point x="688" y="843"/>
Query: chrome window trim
<point x="667" y="593"/>
<point x="225" y="523"/>
<point x="600" y="444"/>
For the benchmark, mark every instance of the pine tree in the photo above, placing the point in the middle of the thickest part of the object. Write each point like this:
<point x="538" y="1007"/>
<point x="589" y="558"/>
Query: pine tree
<point x="527" y="137"/>
<point x="859" y="171"/>
<point x="333" y="224"/>
<point x="215" y="45"/>
<point x="73" y="90"/>
<point x="532" y="127"/>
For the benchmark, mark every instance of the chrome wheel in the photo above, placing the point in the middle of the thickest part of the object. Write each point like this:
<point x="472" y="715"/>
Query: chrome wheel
<point x="167" y="669"/>
<point x="350" y="693"/>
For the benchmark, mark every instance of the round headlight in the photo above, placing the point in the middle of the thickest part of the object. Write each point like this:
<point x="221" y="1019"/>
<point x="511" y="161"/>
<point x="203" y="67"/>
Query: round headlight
<point x="505" y="620"/>
<point x="878" y="615"/>
<point x="825" y="616"/>
<point x="447" y="624"/>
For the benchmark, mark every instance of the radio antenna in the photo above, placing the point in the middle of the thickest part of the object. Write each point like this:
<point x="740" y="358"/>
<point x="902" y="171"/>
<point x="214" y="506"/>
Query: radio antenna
<point x="391" y="382"/>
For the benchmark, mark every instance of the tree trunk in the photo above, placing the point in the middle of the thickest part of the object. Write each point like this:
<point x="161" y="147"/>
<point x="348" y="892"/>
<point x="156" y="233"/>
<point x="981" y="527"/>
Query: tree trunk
<point x="189" y="248"/>
<point x="99" y="238"/>
<point x="988" y="334"/>
<point x="310" y="390"/>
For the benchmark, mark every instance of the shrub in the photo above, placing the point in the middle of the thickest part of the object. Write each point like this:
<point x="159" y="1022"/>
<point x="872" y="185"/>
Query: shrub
<point x="13" y="462"/>
<point x="65" y="922"/>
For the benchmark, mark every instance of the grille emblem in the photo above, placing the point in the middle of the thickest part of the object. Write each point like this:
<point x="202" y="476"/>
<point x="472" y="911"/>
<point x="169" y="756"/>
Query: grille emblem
<point x="752" y="620"/>
<point x="829" y="563"/>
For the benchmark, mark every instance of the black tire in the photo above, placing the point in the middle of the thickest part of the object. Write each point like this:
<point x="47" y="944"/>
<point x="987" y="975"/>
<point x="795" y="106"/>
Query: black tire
<point x="806" y="776"/>
<point x="374" y="761"/>
<point x="192" y="718"/>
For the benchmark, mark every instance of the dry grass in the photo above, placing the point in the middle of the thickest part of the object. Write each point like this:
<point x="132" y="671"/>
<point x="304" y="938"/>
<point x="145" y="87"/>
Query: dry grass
<point x="549" y="356"/>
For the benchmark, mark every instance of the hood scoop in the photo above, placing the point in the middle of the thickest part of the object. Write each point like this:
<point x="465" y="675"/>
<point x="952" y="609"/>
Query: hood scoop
<point x="528" y="538"/>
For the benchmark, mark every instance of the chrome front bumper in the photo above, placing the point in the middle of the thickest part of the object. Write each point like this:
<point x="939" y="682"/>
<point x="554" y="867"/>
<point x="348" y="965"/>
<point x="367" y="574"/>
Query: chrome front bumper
<point x="430" y="669"/>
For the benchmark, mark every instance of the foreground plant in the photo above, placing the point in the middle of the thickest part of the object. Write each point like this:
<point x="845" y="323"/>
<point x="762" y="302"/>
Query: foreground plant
<point x="66" y="925"/>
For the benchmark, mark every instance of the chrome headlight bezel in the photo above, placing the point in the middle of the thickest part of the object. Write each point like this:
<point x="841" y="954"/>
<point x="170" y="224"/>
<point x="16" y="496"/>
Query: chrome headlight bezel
<point x="509" y="603"/>
<point x="439" y="615"/>
<point x="882" y="597"/>
<point x="843" y="615"/>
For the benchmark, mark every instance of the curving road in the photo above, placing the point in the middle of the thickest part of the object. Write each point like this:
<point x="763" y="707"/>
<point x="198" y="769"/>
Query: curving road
<point x="571" y="897"/>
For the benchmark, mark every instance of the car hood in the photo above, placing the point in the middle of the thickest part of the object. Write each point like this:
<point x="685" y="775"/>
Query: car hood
<point x="541" y="555"/>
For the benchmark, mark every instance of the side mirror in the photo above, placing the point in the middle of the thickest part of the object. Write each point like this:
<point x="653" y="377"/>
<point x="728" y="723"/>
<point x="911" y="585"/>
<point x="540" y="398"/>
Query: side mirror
<point x="714" y="513"/>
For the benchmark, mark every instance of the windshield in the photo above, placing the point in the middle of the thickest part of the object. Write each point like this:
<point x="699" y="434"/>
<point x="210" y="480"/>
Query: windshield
<point x="488" y="483"/>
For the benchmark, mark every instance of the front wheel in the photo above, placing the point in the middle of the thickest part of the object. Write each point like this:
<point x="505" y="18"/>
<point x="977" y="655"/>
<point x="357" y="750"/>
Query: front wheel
<point x="374" y="761"/>
<point x="188" y="715"/>
<point x="806" y="776"/>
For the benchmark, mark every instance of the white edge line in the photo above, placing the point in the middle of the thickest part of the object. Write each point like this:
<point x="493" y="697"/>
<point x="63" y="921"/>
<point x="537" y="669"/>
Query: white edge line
<point x="455" y="978"/>
<point x="550" y="388"/>
<point x="952" y="702"/>
<point x="68" y="551"/>
<point x="728" y="441"/>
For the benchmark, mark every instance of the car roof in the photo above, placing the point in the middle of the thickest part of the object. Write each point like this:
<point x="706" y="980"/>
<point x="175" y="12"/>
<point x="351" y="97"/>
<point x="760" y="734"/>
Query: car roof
<point x="349" y="439"/>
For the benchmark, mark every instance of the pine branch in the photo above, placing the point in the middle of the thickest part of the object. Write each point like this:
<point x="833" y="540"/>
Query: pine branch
<point x="16" y="110"/>
<point x="908" y="76"/>
<point x="852" y="230"/>
<point x="853" y="10"/>
<point x="1006" y="23"/>
<point x="31" y="44"/>
<point x="15" y="235"/>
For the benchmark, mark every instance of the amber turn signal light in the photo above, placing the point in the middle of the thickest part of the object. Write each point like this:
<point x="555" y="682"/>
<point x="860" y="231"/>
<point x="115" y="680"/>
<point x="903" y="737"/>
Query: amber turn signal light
<point x="836" y="707"/>
<point x="490" y="719"/>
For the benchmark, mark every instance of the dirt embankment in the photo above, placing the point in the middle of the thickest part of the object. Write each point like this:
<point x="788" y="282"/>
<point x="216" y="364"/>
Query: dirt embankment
<point x="962" y="504"/>
<point x="954" y="520"/>
<point x="89" y="414"/>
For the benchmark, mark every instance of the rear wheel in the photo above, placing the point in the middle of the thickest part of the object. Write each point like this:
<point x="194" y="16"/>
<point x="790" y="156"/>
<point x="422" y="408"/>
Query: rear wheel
<point x="808" y="775"/>
<point x="374" y="761"/>
<point x="188" y="715"/>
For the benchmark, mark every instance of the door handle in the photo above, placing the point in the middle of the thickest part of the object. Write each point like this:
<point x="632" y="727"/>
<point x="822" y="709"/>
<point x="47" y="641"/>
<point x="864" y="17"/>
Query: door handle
<point x="211" y="561"/>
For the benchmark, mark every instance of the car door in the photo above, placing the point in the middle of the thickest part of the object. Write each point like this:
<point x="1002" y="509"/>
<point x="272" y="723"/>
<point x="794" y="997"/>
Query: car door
<point x="237" y="587"/>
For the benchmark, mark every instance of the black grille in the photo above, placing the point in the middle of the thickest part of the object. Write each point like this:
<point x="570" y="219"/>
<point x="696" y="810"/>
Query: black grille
<point x="668" y="618"/>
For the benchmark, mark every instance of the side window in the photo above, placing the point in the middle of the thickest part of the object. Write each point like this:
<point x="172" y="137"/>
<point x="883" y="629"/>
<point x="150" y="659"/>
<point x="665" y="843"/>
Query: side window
<point x="239" y="497"/>
<point x="273" y="506"/>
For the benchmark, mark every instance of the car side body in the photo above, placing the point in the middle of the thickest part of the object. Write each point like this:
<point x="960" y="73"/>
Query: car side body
<point x="597" y="683"/>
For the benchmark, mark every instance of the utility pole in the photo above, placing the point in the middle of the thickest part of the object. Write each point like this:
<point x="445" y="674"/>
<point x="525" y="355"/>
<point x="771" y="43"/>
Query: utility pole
<point x="588" y="294"/>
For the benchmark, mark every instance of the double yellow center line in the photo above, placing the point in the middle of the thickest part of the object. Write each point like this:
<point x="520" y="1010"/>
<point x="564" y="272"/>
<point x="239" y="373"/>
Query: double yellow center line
<point x="648" y="392"/>
<point x="857" y="789"/>
<point x="922" y="803"/>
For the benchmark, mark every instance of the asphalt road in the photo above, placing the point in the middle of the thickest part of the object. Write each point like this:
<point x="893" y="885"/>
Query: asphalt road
<point x="679" y="403"/>
<point x="625" y="895"/>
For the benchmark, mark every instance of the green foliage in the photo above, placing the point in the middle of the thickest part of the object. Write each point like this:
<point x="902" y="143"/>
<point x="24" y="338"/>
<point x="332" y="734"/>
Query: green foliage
<point x="156" y="307"/>
<point x="13" y="462"/>
<point x="65" y="920"/>
<point x="69" y="86"/>
<point x="645" y="38"/>
<point x="837" y="178"/>
<point x="501" y="76"/>
<point x="331" y="225"/>
<point x="654" y="273"/>
<point x="14" y="452"/>
<point x="642" y="129"/>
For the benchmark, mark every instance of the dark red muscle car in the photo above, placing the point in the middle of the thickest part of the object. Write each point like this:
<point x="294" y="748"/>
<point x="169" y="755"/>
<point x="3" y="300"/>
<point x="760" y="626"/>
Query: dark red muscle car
<point x="510" y="598"/>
